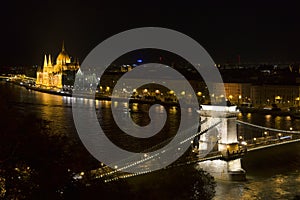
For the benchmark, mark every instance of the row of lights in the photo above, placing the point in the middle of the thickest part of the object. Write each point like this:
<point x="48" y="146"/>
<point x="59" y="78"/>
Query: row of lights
<point x="127" y="176"/>
<point x="132" y="164"/>
<point x="199" y="133"/>
<point x="146" y="157"/>
<point x="171" y="92"/>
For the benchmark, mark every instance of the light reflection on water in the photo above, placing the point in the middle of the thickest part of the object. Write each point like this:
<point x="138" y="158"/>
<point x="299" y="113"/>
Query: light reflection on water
<point x="279" y="184"/>
<point x="278" y="122"/>
<point x="272" y="175"/>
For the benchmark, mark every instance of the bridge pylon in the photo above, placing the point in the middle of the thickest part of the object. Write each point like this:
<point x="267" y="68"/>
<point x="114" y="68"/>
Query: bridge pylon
<point x="223" y="139"/>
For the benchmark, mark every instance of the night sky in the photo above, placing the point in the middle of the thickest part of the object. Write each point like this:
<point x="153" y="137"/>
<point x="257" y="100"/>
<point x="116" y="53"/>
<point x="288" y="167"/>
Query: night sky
<point x="266" y="31"/>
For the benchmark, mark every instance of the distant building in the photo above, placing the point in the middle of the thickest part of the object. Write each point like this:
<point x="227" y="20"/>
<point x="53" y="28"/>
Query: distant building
<point x="282" y="95"/>
<point x="237" y="92"/>
<point x="126" y="68"/>
<point x="51" y="75"/>
<point x="263" y="95"/>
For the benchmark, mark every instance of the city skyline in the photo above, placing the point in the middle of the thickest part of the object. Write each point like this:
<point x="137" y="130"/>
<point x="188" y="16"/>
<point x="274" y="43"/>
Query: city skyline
<point x="255" y="32"/>
<point x="130" y="124"/>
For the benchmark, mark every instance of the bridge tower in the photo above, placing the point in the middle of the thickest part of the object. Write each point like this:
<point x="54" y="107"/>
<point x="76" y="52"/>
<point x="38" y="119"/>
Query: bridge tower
<point x="222" y="139"/>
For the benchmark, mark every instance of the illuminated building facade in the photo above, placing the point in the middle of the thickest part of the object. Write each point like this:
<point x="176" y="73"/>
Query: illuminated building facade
<point x="51" y="75"/>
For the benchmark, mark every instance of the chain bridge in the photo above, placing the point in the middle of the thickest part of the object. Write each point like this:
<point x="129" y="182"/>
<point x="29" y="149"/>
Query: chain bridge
<point x="217" y="147"/>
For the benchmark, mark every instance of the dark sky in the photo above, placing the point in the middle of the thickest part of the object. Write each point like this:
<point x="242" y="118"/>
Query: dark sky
<point x="258" y="31"/>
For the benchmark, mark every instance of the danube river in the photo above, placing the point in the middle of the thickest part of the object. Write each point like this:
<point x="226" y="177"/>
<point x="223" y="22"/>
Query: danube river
<point x="41" y="152"/>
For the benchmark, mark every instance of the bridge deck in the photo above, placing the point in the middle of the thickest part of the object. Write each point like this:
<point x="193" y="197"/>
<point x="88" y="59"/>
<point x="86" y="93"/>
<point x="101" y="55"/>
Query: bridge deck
<point x="108" y="174"/>
<point x="263" y="146"/>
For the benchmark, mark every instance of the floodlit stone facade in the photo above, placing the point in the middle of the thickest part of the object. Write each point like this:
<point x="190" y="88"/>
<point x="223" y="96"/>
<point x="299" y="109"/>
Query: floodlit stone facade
<point x="51" y="75"/>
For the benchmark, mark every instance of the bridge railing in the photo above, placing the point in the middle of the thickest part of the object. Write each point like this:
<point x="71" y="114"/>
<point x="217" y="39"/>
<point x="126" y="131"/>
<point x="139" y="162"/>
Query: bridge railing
<point x="267" y="129"/>
<point x="114" y="174"/>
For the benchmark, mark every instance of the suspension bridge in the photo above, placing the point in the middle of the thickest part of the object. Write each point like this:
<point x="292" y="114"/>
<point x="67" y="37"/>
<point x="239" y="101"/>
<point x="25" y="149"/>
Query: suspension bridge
<point x="265" y="137"/>
<point x="222" y="151"/>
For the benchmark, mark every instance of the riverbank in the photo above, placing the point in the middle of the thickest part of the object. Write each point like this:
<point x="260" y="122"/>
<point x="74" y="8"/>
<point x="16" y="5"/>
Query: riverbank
<point x="97" y="95"/>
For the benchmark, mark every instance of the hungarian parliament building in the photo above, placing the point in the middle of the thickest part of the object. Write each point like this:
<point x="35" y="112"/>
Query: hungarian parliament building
<point x="54" y="75"/>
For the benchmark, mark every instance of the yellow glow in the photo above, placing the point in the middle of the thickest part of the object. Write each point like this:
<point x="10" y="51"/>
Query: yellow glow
<point x="199" y="93"/>
<point x="278" y="97"/>
<point x="115" y="104"/>
<point x="135" y="107"/>
<point x="230" y="96"/>
<point x="51" y="74"/>
<point x="171" y="92"/>
<point x="173" y="109"/>
<point x="182" y="93"/>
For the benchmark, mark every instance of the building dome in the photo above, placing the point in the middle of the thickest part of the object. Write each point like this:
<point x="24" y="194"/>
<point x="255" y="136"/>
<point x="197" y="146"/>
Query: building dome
<point x="63" y="57"/>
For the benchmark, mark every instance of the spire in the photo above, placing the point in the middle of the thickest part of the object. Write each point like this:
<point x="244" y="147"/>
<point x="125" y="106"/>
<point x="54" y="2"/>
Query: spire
<point x="49" y="61"/>
<point x="45" y="61"/>
<point x="63" y="46"/>
<point x="39" y="69"/>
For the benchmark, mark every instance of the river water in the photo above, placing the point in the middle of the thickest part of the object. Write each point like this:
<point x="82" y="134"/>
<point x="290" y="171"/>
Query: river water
<point x="271" y="174"/>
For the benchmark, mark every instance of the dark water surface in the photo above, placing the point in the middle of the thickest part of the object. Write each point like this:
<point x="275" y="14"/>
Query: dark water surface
<point x="41" y="151"/>
<point x="271" y="173"/>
